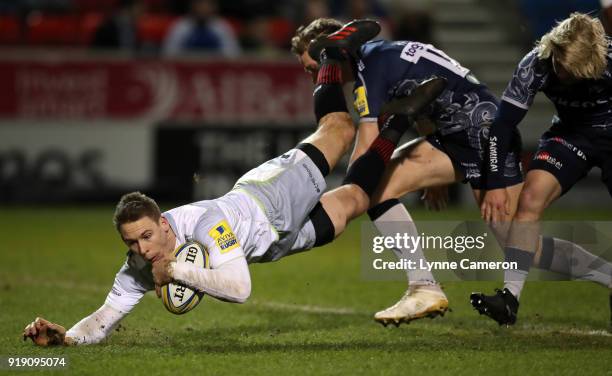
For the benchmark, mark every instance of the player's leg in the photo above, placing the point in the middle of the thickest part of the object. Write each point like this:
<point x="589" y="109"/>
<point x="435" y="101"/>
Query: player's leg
<point x="557" y="165"/>
<point x="442" y="159"/>
<point x="410" y="168"/>
<point x="570" y="259"/>
<point x="540" y="190"/>
<point x="289" y="187"/>
<point x="336" y="131"/>
<point x="414" y="166"/>
<point x="329" y="217"/>
<point x="439" y="160"/>
<point x="555" y="254"/>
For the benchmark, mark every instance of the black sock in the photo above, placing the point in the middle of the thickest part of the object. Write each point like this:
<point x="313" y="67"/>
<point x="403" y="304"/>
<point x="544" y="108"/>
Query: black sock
<point x="377" y="211"/>
<point x="367" y="171"/>
<point x="324" y="228"/>
<point x="328" y="94"/>
<point x="317" y="157"/>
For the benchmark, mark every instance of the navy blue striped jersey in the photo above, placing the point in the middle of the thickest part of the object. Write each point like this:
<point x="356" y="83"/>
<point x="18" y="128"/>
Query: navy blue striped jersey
<point x="388" y="69"/>
<point x="581" y="105"/>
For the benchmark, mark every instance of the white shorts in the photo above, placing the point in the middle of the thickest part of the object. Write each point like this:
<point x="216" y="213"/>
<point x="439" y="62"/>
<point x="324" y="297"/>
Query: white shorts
<point x="288" y="187"/>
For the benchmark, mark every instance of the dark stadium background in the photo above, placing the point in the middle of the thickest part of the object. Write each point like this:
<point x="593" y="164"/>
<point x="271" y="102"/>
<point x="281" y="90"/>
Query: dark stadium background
<point x="85" y="117"/>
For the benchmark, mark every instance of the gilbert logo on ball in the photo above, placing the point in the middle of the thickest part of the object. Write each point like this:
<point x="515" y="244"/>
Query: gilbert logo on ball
<point x="178" y="298"/>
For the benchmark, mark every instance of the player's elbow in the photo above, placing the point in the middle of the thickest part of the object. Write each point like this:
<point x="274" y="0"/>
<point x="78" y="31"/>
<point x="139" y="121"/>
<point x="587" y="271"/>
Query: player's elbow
<point x="243" y="291"/>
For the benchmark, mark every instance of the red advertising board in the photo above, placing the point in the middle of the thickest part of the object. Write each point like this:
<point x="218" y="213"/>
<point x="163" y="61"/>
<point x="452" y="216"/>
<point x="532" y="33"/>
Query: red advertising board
<point x="217" y="91"/>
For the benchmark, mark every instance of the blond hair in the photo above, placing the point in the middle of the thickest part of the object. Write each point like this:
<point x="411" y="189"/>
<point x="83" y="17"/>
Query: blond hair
<point x="577" y="43"/>
<point x="304" y="34"/>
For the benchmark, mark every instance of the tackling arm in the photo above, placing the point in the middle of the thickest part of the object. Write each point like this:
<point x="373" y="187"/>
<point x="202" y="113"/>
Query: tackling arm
<point x="501" y="136"/>
<point x="529" y="77"/>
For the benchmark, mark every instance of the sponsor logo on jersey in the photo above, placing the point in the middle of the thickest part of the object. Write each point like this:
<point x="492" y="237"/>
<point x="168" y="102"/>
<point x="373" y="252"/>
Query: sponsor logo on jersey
<point x="223" y="235"/>
<point x="561" y="101"/>
<point x="546" y="157"/>
<point x="493" y="154"/>
<point x="361" y="101"/>
<point x="571" y="147"/>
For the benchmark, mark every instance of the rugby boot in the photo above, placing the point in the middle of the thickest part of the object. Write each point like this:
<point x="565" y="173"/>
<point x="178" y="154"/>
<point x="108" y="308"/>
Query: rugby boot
<point x="418" y="302"/>
<point x="348" y="39"/>
<point x="501" y="307"/>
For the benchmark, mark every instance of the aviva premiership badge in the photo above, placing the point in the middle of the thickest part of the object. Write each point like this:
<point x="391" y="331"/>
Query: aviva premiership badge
<point x="224" y="237"/>
<point x="361" y="101"/>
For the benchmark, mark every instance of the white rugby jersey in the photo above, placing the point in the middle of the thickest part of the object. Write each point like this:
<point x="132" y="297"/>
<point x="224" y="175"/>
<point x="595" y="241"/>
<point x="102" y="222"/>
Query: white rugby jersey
<point x="229" y="227"/>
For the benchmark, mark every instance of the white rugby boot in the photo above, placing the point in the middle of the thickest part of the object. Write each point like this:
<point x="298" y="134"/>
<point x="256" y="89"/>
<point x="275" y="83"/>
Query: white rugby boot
<point x="418" y="302"/>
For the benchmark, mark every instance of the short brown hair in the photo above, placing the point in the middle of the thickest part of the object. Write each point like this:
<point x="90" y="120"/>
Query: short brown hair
<point x="133" y="206"/>
<point x="579" y="44"/>
<point x="318" y="27"/>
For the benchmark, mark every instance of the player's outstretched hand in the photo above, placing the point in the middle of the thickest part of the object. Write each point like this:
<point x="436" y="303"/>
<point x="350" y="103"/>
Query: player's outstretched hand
<point x="45" y="333"/>
<point x="495" y="206"/>
<point x="435" y="198"/>
<point x="161" y="270"/>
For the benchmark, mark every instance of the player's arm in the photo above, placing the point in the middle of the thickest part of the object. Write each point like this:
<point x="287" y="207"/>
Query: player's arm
<point x="128" y="288"/>
<point x="228" y="278"/>
<point x="369" y="94"/>
<point x="528" y="78"/>
<point x="89" y="330"/>
<point x="230" y="281"/>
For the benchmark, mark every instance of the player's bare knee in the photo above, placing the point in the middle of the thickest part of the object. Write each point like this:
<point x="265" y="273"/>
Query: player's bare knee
<point x="531" y="205"/>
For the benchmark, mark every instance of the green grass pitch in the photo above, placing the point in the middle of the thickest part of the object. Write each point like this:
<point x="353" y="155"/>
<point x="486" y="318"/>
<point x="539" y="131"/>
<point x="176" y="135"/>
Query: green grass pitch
<point x="308" y="314"/>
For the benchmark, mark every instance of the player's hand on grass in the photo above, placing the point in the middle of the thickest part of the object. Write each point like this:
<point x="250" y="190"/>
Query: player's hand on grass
<point x="45" y="333"/>
<point x="495" y="206"/>
<point x="435" y="198"/>
<point x="161" y="271"/>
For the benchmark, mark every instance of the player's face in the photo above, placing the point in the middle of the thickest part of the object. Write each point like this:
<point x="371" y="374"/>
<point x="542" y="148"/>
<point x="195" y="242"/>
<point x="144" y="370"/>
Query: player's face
<point x="148" y="238"/>
<point x="310" y="65"/>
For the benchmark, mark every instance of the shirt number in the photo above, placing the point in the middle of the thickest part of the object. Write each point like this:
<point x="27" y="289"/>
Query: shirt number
<point x="414" y="51"/>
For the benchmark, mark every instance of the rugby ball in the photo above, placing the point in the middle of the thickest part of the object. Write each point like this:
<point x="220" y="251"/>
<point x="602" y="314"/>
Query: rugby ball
<point x="178" y="298"/>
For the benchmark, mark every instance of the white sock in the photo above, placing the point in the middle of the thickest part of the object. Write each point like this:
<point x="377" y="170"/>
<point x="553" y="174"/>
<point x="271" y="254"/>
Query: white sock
<point x="514" y="279"/>
<point x="570" y="259"/>
<point x="395" y="220"/>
